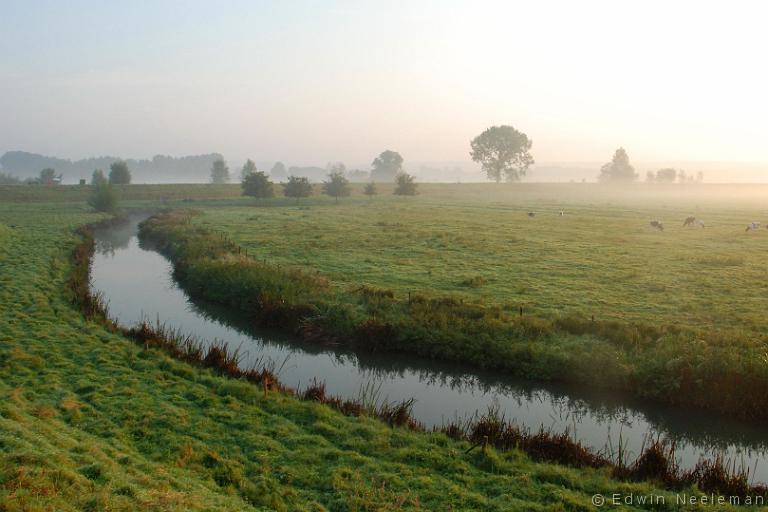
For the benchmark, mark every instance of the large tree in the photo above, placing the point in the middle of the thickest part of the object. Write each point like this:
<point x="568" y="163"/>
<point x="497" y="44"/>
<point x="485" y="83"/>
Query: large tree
<point x="256" y="184"/>
<point x="219" y="171"/>
<point x="248" y="168"/>
<point x="502" y="152"/>
<point x="337" y="185"/>
<point x="618" y="170"/>
<point x="387" y="166"/>
<point x="48" y="177"/>
<point x="98" y="178"/>
<point x="119" y="174"/>
<point x="297" y="187"/>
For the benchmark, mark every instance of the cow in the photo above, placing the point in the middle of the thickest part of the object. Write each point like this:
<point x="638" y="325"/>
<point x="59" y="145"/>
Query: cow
<point x="562" y="213"/>
<point x="657" y="224"/>
<point x="752" y="226"/>
<point x="689" y="221"/>
<point x="531" y="214"/>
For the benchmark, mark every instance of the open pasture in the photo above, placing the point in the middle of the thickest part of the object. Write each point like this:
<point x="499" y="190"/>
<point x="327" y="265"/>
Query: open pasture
<point x="477" y="243"/>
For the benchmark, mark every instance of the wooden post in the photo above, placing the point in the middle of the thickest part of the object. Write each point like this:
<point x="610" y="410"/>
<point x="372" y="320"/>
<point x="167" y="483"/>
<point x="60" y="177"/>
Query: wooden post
<point x="521" y="311"/>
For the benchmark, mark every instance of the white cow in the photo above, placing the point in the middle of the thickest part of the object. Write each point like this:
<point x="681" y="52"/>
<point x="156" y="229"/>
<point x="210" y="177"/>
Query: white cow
<point x="752" y="226"/>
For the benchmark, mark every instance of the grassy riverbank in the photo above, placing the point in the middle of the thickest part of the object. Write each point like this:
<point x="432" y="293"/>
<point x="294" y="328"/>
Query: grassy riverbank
<point x="444" y="276"/>
<point x="91" y="421"/>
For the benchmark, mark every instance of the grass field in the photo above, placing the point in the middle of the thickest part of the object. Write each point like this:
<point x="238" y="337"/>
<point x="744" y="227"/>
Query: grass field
<point x="91" y="421"/>
<point x="477" y="243"/>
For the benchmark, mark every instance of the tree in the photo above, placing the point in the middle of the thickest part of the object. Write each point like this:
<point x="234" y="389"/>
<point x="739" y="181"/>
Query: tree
<point x="502" y="152"/>
<point x="666" y="175"/>
<point x="650" y="177"/>
<point x="297" y="187"/>
<point x="387" y="166"/>
<point x="370" y="190"/>
<point x="700" y="177"/>
<point x="248" y="168"/>
<point x="219" y="171"/>
<point x="48" y="177"/>
<point x="7" y="179"/>
<point x="97" y="178"/>
<point x="103" y="197"/>
<point x="257" y="184"/>
<point x="618" y="170"/>
<point x="278" y="171"/>
<point x="681" y="176"/>
<point x="405" y="185"/>
<point x="337" y="185"/>
<point x="119" y="174"/>
<point x="337" y="167"/>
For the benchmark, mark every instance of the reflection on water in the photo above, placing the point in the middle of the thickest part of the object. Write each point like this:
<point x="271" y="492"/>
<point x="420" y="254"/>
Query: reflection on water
<point x="137" y="283"/>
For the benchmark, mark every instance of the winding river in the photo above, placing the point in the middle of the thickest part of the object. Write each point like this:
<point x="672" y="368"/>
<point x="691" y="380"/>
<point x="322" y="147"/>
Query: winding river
<point x="137" y="283"/>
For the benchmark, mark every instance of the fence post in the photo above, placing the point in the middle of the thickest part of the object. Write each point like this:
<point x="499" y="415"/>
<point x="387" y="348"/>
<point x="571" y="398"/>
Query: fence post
<point x="521" y="311"/>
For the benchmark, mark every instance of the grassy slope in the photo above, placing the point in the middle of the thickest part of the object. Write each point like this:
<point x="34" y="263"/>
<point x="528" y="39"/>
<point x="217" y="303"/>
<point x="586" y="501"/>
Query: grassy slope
<point x="89" y="421"/>
<point x="475" y="242"/>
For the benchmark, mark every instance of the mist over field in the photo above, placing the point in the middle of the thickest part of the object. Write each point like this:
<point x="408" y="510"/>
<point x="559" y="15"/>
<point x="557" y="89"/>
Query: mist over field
<point x="325" y="255"/>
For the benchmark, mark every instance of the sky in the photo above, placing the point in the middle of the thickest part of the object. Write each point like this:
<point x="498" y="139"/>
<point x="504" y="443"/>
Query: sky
<point x="309" y="82"/>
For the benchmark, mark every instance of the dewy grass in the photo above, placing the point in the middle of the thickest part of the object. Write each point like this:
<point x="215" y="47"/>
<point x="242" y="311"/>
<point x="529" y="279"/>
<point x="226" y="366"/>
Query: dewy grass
<point x="722" y="370"/>
<point x="92" y="421"/>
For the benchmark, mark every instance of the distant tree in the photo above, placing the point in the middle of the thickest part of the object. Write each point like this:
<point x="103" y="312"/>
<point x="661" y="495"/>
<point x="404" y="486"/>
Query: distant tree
<point x="650" y="177"/>
<point x="337" y="185"/>
<point x="681" y="176"/>
<point x="97" y="178"/>
<point x="700" y="177"/>
<point x="48" y="177"/>
<point x="248" y="168"/>
<point x="7" y="179"/>
<point x="103" y="197"/>
<point x="297" y="187"/>
<point x="257" y="184"/>
<point x="618" y="170"/>
<point x="358" y="175"/>
<point x="219" y="172"/>
<point x="502" y="152"/>
<point x="278" y="172"/>
<point x="370" y="190"/>
<point x="666" y="175"/>
<point x="119" y="174"/>
<point x="387" y="166"/>
<point x="337" y="167"/>
<point x="405" y="185"/>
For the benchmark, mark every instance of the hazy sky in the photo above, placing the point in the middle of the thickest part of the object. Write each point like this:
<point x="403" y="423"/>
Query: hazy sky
<point x="315" y="81"/>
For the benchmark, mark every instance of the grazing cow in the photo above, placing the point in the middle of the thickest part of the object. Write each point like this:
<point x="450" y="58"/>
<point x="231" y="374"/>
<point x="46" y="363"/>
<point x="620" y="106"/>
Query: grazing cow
<point x="657" y="224"/>
<point x="689" y="221"/>
<point x="700" y="222"/>
<point x="531" y="214"/>
<point x="562" y="213"/>
<point x="752" y="226"/>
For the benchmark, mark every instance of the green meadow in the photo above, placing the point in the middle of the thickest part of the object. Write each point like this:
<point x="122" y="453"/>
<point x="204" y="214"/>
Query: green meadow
<point x="89" y="420"/>
<point x="476" y="242"/>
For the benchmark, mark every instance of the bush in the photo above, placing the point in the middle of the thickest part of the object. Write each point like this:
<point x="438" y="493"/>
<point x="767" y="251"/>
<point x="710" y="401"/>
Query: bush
<point x="103" y="197"/>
